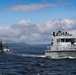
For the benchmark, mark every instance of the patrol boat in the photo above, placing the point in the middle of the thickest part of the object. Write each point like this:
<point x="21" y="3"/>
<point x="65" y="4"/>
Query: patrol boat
<point x="63" y="45"/>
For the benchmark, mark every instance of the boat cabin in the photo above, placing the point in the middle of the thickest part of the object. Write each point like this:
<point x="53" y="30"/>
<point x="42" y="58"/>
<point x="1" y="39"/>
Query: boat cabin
<point x="62" y="41"/>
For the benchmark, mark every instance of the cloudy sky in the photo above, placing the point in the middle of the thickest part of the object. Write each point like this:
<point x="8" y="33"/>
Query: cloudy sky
<point x="32" y="21"/>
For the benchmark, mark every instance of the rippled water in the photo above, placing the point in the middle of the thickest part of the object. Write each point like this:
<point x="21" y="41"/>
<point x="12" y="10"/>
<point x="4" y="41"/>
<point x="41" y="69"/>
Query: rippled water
<point x="11" y="64"/>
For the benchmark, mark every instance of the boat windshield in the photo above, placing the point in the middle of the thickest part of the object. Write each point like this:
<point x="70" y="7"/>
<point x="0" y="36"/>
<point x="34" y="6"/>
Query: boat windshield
<point x="66" y="40"/>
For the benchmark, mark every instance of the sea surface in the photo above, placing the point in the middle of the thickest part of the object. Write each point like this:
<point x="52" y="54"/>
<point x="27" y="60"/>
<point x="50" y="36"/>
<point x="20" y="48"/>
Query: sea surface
<point x="16" y="62"/>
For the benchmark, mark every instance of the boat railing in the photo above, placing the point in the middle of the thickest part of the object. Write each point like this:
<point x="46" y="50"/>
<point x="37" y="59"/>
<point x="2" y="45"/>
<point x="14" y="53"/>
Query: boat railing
<point x="63" y="34"/>
<point x="72" y="47"/>
<point x="59" y="47"/>
<point x="69" y="47"/>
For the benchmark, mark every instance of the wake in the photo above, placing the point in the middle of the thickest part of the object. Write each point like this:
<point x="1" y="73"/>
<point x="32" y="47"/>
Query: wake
<point x="32" y="55"/>
<point x="40" y="56"/>
<point x="43" y="56"/>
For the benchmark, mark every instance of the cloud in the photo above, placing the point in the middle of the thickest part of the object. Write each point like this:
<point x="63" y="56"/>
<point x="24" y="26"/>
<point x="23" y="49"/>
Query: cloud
<point x="30" y="7"/>
<point x="35" y="33"/>
<point x="69" y="4"/>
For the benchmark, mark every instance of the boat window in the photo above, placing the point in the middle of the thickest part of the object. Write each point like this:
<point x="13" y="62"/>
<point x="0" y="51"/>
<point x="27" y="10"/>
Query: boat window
<point x="58" y="40"/>
<point x="71" y="40"/>
<point x="75" y="40"/>
<point x="62" y="40"/>
<point x="66" y="40"/>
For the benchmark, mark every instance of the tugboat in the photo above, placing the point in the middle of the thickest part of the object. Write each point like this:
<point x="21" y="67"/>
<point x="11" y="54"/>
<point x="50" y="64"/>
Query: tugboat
<point x="63" y="45"/>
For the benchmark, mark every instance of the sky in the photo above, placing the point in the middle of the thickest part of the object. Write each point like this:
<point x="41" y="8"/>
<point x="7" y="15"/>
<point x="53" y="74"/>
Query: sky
<point x="32" y="21"/>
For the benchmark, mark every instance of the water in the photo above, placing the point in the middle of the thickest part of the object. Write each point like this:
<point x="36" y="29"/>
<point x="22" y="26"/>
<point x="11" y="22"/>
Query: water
<point x="15" y="63"/>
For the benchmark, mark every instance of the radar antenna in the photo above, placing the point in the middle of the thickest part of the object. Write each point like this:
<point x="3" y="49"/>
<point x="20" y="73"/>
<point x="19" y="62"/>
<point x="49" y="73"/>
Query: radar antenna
<point x="60" y="28"/>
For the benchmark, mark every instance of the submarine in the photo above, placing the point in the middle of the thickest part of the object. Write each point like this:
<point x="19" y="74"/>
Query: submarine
<point x="3" y="48"/>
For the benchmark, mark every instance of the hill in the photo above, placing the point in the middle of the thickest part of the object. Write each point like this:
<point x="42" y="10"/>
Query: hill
<point x="27" y="48"/>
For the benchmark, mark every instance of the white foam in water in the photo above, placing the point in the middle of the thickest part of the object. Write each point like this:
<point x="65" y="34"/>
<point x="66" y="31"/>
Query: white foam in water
<point x="30" y="55"/>
<point x="43" y="56"/>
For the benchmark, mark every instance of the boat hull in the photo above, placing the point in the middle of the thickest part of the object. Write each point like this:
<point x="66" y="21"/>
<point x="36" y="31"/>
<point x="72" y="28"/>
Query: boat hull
<point x="61" y="54"/>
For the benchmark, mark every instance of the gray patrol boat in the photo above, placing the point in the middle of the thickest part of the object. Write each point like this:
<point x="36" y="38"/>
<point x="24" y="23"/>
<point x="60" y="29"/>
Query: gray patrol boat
<point x="63" y="45"/>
